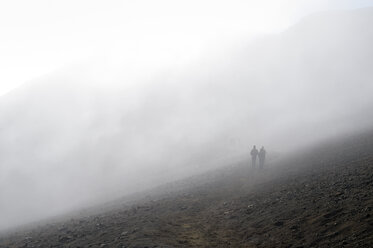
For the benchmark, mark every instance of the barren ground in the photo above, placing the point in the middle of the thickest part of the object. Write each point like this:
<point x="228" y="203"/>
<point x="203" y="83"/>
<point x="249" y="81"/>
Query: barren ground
<point x="322" y="198"/>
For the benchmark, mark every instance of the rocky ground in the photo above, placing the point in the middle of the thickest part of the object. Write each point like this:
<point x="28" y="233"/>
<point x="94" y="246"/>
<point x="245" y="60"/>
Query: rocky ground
<point x="322" y="198"/>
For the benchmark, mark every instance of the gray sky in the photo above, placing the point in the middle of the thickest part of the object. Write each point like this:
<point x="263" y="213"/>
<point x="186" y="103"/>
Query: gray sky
<point x="41" y="36"/>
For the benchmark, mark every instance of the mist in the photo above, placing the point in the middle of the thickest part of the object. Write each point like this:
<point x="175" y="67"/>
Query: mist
<point x="111" y="126"/>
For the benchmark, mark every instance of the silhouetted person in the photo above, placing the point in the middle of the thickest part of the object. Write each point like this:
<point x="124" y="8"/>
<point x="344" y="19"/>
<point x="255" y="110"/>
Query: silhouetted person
<point x="262" y="157"/>
<point x="254" y="154"/>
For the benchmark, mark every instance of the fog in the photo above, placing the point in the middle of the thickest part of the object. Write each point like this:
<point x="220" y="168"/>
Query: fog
<point x="110" y="126"/>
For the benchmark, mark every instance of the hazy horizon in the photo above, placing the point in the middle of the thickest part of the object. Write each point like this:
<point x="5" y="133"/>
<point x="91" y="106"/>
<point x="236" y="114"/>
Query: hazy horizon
<point x="42" y="37"/>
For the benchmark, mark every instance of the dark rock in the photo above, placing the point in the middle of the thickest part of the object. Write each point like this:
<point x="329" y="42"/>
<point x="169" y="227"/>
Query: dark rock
<point x="278" y="223"/>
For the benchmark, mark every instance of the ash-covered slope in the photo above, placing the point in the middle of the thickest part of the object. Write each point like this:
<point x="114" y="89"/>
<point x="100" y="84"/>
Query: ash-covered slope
<point x="65" y="143"/>
<point x="319" y="198"/>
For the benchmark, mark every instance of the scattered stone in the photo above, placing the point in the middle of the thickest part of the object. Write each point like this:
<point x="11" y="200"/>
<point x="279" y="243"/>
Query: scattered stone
<point x="279" y="223"/>
<point x="64" y="239"/>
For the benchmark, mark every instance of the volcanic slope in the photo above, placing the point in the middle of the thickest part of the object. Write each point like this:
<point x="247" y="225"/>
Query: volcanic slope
<point x="319" y="198"/>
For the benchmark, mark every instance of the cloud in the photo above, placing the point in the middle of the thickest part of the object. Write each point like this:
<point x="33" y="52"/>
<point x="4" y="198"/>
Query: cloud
<point x="104" y="128"/>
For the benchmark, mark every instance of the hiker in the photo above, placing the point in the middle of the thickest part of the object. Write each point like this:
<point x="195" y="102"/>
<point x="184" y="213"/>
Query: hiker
<point x="262" y="156"/>
<point x="254" y="154"/>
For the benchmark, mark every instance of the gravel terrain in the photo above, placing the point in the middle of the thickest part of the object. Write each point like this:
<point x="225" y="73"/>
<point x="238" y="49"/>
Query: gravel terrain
<point x="322" y="198"/>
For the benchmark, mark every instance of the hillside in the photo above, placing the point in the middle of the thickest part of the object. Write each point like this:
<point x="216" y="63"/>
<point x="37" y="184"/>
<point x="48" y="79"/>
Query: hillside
<point x="319" y="198"/>
<point x="70" y="143"/>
